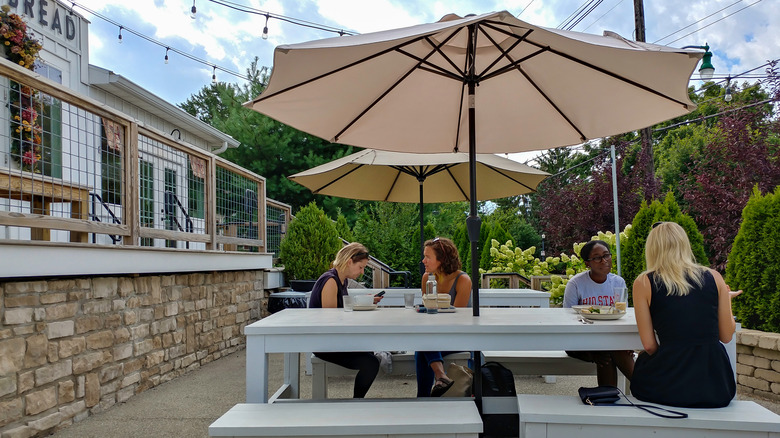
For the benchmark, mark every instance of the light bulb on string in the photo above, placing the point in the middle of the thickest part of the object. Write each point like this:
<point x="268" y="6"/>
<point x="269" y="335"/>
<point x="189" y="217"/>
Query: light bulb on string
<point x="214" y="75"/>
<point x="727" y="97"/>
<point x="120" y="35"/>
<point x="193" y="11"/>
<point x="265" y="29"/>
<point x="166" y="54"/>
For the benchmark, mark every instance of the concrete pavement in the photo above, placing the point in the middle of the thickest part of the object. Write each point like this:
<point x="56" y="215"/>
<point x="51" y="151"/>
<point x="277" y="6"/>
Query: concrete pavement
<point x="186" y="406"/>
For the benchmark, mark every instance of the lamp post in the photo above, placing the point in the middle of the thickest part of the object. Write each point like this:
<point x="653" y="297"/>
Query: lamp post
<point x="706" y="70"/>
<point x="542" y="253"/>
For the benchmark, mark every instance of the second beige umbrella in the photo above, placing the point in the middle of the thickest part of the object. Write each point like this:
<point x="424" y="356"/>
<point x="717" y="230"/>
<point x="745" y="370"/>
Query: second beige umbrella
<point x="374" y="175"/>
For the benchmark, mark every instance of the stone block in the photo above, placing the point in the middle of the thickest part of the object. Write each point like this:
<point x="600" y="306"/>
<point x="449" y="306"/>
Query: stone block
<point x="23" y="315"/>
<point x="744" y="349"/>
<point x="113" y="321"/>
<point x="40" y="401"/>
<point x="7" y="385"/>
<point x="752" y="382"/>
<point x="123" y="351"/>
<point x="109" y="388"/>
<point x="92" y="390"/>
<point x="88" y="323"/>
<point x="11" y="356"/>
<point x="119" y="304"/>
<point x="767" y="354"/>
<point x="768" y="341"/>
<point x="26" y="287"/>
<point x="744" y="370"/>
<point x="146" y="315"/>
<point x="775" y="364"/>
<point x="109" y="373"/>
<point x="50" y="373"/>
<point x="22" y="301"/>
<point x="131" y="379"/>
<point x="61" y="311"/>
<point x="37" y="351"/>
<point x="53" y="298"/>
<point x="26" y="381"/>
<point x="103" y="339"/>
<point x="59" y="329"/>
<point x="124" y="394"/>
<point x="131" y="317"/>
<point x="88" y="362"/>
<point x="767" y="395"/>
<point x="104" y="287"/>
<point x="121" y="335"/>
<point x="748" y="337"/>
<point x="11" y="410"/>
<point x="66" y="391"/>
<point x="53" y="352"/>
<point x="72" y="346"/>
<point x="134" y="365"/>
<point x="139" y="331"/>
<point x="73" y="409"/>
<point x="98" y="307"/>
<point x="143" y="347"/>
<point x="46" y="423"/>
<point x="768" y="375"/>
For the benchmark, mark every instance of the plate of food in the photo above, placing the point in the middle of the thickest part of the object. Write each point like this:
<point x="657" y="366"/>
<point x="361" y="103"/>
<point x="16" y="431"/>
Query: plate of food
<point x="598" y="312"/>
<point x="369" y="307"/>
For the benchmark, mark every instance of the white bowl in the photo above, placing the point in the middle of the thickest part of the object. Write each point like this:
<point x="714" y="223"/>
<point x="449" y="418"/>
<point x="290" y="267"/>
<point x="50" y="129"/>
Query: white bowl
<point x="363" y="300"/>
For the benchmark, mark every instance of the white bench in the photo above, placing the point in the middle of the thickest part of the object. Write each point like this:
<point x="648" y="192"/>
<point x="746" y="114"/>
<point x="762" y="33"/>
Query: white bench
<point x="364" y="418"/>
<point x="403" y="364"/>
<point x="550" y="416"/>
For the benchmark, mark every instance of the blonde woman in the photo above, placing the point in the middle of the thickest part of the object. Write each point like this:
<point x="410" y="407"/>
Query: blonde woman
<point x="689" y="307"/>
<point x="329" y="292"/>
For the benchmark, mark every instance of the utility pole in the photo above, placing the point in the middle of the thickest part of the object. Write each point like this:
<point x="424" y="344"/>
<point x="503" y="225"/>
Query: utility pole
<point x="639" y="26"/>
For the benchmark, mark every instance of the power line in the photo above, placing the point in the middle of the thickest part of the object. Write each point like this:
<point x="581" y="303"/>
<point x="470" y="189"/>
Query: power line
<point x="292" y="20"/>
<point x="603" y="15"/>
<point x="716" y="21"/>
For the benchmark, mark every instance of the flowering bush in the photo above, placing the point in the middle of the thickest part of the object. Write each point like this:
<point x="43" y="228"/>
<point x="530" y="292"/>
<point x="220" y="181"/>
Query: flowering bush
<point x="507" y="258"/>
<point x="20" y="46"/>
<point x="26" y="130"/>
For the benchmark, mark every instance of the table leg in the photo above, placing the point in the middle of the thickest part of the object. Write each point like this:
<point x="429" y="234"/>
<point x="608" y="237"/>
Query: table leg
<point x="256" y="370"/>
<point x="292" y="373"/>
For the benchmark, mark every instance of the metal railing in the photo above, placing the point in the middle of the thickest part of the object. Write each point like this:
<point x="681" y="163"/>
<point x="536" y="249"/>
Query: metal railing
<point x="75" y="170"/>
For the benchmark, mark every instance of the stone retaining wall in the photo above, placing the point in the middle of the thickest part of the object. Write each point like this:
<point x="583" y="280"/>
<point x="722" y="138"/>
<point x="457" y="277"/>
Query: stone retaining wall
<point x="70" y="348"/>
<point x="758" y="364"/>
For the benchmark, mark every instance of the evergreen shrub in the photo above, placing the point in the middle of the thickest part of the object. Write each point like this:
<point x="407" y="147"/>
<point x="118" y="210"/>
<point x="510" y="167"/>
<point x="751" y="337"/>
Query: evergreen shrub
<point x="310" y="245"/>
<point x="754" y="263"/>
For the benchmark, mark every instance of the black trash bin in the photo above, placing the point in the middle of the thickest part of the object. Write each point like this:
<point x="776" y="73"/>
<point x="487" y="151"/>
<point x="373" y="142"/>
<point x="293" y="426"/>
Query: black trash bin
<point x="286" y="300"/>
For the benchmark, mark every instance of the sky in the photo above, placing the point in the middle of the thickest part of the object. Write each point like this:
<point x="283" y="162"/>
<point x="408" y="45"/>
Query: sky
<point x="739" y="32"/>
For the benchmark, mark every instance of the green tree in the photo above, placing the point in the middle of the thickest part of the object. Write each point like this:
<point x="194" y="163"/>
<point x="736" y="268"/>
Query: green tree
<point x="498" y="234"/>
<point x="268" y="148"/>
<point x="633" y="254"/>
<point x="310" y="244"/>
<point x="754" y="263"/>
<point x="342" y="227"/>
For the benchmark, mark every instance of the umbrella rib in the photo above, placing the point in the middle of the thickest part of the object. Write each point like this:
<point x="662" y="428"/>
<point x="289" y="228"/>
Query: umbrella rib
<point x="498" y="171"/>
<point x="430" y="67"/>
<point x="587" y="64"/>
<point x="389" y="89"/>
<point x="550" y="101"/>
<point x="514" y="64"/>
<point x="344" y="67"/>
<point x="316" y="192"/>
<point x="465" y="196"/>
<point x="392" y="186"/>
<point x="504" y="52"/>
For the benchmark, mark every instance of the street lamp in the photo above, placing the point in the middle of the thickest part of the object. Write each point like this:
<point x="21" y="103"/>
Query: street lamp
<point x="706" y="70"/>
<point x="542" y="253"/>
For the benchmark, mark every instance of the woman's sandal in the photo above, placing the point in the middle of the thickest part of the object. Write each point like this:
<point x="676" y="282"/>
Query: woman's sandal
<point x="441" y="386"/>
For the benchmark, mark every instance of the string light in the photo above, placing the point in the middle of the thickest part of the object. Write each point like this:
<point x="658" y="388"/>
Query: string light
<point x="120" y="34"/>
<point x="214" y="75"/>
<point x="193" y="11"/>
<point x="727" y="97"/>
<point x="265" y="29"/>
<point x="166" y="54"/>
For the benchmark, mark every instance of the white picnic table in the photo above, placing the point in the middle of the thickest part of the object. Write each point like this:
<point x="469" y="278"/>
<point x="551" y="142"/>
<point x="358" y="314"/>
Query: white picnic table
<point x="394" y="297"/>
<point x="292" y="331"/>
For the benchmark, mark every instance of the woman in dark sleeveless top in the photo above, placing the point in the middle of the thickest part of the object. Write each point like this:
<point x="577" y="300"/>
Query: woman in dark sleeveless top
<point x="689" y="307"/>
<point x="328" y="292"/>
<point x="440" y="259"/>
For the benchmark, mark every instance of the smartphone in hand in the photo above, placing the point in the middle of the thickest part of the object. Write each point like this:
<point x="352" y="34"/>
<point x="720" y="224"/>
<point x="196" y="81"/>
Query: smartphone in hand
<point x="380" y="294"/>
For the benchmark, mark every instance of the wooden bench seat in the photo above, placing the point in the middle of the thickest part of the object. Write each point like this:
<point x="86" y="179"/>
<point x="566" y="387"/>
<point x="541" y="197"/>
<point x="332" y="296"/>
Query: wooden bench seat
<point x="362" y="418"/>
<point x="554" y="416"/>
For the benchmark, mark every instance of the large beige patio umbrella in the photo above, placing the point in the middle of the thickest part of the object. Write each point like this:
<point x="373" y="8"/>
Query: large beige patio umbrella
<point x="374" y="175"/>
<point x="489" y="83"/>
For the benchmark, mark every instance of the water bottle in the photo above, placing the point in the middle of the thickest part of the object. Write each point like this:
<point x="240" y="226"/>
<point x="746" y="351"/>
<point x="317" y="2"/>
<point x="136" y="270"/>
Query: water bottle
<point x="432" y="306"/>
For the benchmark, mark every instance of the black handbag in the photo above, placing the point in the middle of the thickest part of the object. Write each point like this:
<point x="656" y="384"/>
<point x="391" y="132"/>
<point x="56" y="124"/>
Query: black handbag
<point x="608" y="395"/>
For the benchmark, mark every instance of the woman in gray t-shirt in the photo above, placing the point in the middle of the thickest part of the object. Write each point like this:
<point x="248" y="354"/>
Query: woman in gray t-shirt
<point x="594" y="287"/>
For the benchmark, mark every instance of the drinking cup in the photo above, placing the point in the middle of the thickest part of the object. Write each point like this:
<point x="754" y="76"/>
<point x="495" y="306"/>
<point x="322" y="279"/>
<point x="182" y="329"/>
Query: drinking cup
<point x="620" y="298"/>
<point x="409" y="300"/>
<point x="362" y="300"/>
<point x="347" y="303"/>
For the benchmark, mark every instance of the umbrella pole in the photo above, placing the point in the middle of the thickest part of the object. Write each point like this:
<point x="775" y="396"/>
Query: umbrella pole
<point x="615" y="204"/>
<point x="422" y="230"/>
<point x="473" y="222"/>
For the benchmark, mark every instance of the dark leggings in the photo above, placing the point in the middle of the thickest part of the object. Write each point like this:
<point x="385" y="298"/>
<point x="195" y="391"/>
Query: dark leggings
<point x="366" y="364"/>
<point x="607" y="364"/>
